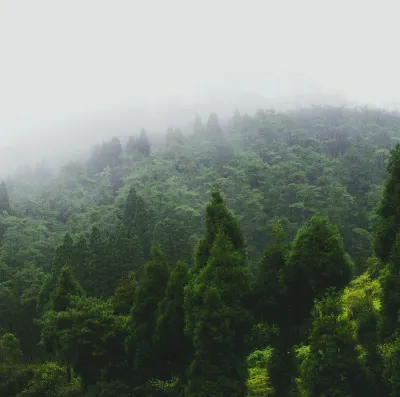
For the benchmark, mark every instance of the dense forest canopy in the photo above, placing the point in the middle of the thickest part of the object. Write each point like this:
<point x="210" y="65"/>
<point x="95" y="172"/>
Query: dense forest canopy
<point x="255" y="256"/>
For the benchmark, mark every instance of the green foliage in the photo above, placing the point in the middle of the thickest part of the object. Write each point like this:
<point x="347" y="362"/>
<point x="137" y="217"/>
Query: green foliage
<point x="174" y="346"/>
<point x="316" y="262"/>
<point x="217" y="322"/>
<point x="67" y="287"/>
<point x="9" y="349"/>
<point x="269" y="286"/>
<point x="391" y="374"/>
<point x="143" y="353"/>
<point x="389" y="208"/>
<point x="217" y="217"/>
<point x="333" y="366"/>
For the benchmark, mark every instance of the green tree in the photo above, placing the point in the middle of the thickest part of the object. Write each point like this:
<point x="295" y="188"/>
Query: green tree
<point x="390" y="281"/>
<point x="388" y="209"/>
<point x="149" y="293"/>
<point x="316" y="262"/>
<point x="137" y="220"/>
<point x="217" y="322"/>
<point x="268" y="286"/>
<point x="218" y="217"/>
<point x="333" y="366"/>
<point x="4" y="199"/>
<point x="67" y="287"/>
<point x="174" y="346"/>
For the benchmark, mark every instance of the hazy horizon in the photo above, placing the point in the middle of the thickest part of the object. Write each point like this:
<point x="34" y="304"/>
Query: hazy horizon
<point x="73" y="70"/>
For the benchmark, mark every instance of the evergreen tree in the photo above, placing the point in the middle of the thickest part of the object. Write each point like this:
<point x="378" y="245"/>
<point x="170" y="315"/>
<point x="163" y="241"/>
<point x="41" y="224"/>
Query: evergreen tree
<point x="218" y="217"/>
<point x="67" y="286"/>
<point x="174" y="346"/>
<point x="150" y="292"/>
<point x="4" y="199"/>
<point x="137" y="220"/>
<point x="269" y="287"/>
<point x="64" y="253"/>
<point x="213" y="128"/>
<point x="388" y="209"/>
<point x="124" y="295"/>
<point x="332" y="366"/>
<point x="316" y="262"/>
<point x="98" y="271"/>
<point x="217" y="322"/>
<point x="390" y="282"/>
<point x="143" y="143"/>
<point x="80" y="259"/>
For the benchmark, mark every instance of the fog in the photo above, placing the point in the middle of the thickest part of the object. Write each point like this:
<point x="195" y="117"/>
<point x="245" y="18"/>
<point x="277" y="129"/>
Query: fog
<point x="75" y="72"/>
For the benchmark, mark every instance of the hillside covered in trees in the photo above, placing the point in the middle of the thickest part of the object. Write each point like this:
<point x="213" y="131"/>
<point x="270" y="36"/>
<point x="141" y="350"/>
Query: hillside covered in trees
<point x="255" y="256"/>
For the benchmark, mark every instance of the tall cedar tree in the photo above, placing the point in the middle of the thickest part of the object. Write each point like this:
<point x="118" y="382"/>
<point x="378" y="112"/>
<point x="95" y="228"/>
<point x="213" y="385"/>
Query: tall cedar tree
<point x="98" y="270"/>
<point x="151" y="290"/>
<point x="218" y="217"/>
<point x="80" y="258"/>
<point x="67" y="287"/>
<point x="64" y="255"/>
<point x="218" y="323"/>
<point x="316" y="262"/>
<point x="332" y="366"/>
<point x="4" y="199"/>
<point x="137" y="220"/>
<point x="268" y="286"/>
<point x="269" y="304"/>
<point x="390" y="281"/>
<point x="174" y="346"/>
<point x="389" y="208"/>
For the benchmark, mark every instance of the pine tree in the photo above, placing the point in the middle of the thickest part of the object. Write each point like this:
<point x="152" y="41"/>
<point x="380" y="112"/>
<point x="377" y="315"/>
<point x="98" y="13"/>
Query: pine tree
<point x="268" y="286"/>
<point x="80" y="259"/>
<point x="67" y="286"/>
<point x="332" y="366"/>
<point x="390" y="282"/>
<point x="137" y="220"/>
<point x="4" y="199"/>
<point x="316" y="262"/>
<point x="217" y="322"/>
<point x="174" y="346"/>
<point x="218" y="217"/>
<point x="98" y="271"/>
<point x="150" y="292"/>
<point x="213" y="128"/>
<point x="388" y="209"/>
<point x="64" y="253"/>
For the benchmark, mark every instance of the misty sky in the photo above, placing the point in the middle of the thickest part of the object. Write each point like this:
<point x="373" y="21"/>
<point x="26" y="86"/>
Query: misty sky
<point x="77" y="58"/>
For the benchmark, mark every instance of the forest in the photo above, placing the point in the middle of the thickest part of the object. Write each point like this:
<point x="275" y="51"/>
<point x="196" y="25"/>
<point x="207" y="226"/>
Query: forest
<point x="256" y="256"/>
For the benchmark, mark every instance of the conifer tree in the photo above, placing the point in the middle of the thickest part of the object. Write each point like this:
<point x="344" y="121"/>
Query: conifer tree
<point x="390" y="282"/>
<point x="213" y="128"/>
<point x="333" y="366"/>
<point x="67" y="286"/>
<point x="174" y="345"/>
<point x="388" y="209"/>
<point x="150" y="292"/>
<point x="4" y="199"/>
<point x="137" y="218"/>
<point x="316" y="262"/>
<point x="218" y="217"/>
<point x="269" y="287"/>
<point x="64" y="253"/>
<point x="218" y="322"/>
<point x="98" y="271"/>
<point x="80" y="258"/>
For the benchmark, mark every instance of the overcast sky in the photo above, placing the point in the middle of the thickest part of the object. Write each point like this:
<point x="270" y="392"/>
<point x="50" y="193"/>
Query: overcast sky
<point x="61" y="59"/>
